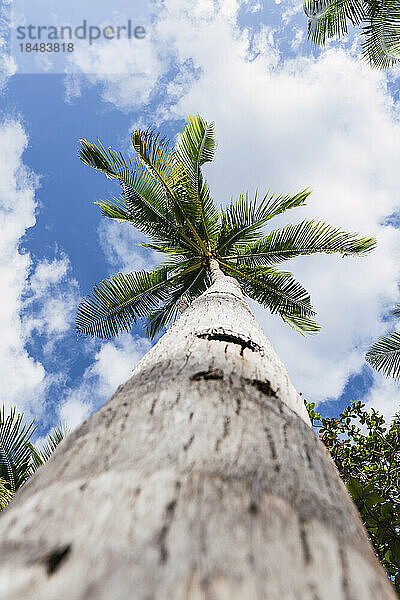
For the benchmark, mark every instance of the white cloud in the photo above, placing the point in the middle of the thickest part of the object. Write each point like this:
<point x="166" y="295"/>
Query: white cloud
<point x="384" y="397"/>
<point x="119" y="242"/>
<point x="52" y="296"/>
<point x="35" y="296"/>
<point x="112" y="365"/>
<point x="75" y="410"/>
<point x="25" y="376"/>
<point x="8" y="65"/>
<point x="110" y="63"/>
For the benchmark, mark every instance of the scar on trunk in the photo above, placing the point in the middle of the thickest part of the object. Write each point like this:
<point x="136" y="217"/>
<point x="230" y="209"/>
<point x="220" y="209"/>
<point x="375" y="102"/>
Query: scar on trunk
<point x="223" y="335"/>
<point x="55" y="558"/>
<point x="212" y="374"/>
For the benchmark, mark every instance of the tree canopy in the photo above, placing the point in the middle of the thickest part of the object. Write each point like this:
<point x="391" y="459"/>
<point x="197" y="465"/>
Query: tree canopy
<point x="164" y="195"/>
<point x="366" y="452"/>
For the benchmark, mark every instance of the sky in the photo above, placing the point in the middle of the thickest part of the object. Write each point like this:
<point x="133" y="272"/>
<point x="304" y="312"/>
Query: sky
<point x="287" y="116"/>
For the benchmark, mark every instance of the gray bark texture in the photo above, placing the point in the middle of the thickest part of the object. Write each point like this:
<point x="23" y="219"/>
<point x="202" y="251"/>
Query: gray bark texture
<point x="200" y="479"/>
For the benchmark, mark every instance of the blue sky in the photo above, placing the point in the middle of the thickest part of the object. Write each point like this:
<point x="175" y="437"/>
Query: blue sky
<point x="287" y="117"/>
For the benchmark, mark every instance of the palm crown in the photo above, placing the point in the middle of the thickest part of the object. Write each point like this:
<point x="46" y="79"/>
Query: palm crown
<point x="378" y="19"/>
<point x="165" y="196"/>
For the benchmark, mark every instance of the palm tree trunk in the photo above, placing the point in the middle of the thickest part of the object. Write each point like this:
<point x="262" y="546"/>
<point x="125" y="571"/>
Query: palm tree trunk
<point x="201" y="478"/>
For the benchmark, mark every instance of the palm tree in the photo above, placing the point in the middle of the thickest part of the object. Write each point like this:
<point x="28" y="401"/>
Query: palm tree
<point x="201" y="477"/>
<point x="19" y="458"/>
<point x="165" y="196"/>
<point x="384" y="355"/>
<point x="15" y="453"/>
<point x="379" y="21"/>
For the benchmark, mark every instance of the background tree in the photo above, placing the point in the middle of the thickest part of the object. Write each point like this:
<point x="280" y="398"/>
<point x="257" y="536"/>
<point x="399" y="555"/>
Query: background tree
<point x="384" y="355"/>
<point x="201" y="477"/>
<point x="19" y="458"/>
<point x="379" y="21"/>
<point x="366" y="452"/>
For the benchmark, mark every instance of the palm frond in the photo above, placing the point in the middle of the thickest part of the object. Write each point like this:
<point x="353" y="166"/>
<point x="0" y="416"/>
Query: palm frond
<point x="156" y="157"/>
<point x="384" y="355"/>
<point x="196" y="146"/>
<point x="44" y="452"/>
<point x="379" y="20"/>
<point x="303" y="325"/>
<point x="116" y="303"/>
<point x="153" y="153"/>
<point x="381" y="34"/>
<point x="305" y="238"/>
<point x="276" y="290"/>
<point x="329" y="18"/>
<point x="243" y="220"/>
<point x="6" y="493"/>
<point x="143" y="201"/>
<point x="15" y="455"/>
<point x="188" y="286"/>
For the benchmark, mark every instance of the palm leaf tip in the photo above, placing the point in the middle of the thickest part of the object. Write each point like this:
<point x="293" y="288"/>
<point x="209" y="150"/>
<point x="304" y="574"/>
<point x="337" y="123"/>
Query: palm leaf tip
<point x="45" y="451"/>
<point x="301" y="324"/>
<point x="94" y="156"/>
<point x="384" y="355"/>
<point x="360" y="246"/>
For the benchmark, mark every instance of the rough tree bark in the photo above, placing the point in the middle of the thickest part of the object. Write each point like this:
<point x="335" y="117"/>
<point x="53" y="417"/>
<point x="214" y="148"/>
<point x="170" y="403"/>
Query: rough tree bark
<point x="201" y="478"/>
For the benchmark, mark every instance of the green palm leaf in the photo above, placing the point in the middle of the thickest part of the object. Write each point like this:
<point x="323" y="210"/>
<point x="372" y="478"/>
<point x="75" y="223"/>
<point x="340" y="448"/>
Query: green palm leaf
<point x="302" y="325"/>
<point x="116" y="303"/>
<point x="379" y="21"/>
<point x="329" y="18"/>
<point x="381" y="34"/>
<point x="187" y="286"/>
<point x="196" y="146"/>
<point x="305" y="238"/>
<point x="384" y="355"/>
<point x="5" y="494"/>
<point x="154" y="155"/>
<point x="44" y="452"/>
<point x="15" y="454"/>
<point x="143" y="202"/>
<point x="278" y="291"/>
<point x="243" y="220"/>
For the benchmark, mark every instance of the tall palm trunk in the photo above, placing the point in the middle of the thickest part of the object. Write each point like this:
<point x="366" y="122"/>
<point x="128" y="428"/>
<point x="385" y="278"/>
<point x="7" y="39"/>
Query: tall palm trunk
<point x="201" y="478"/>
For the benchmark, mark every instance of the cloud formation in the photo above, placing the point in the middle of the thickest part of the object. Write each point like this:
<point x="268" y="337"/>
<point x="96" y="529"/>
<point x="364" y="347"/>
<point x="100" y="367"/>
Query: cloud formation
<point x="112" y="365"/>
<point x="39" y="299"/>
<point x="26" y="378"/>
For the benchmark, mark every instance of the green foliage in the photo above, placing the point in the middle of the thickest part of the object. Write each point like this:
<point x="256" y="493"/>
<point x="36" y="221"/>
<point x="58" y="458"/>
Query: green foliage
<point x="43" y="453"/>
<point x="6" y="493"/>
<point x="367" y="454"/>
<point x="15" y="454"/>
<point x="18" y="457"/>
<point x="164" y="194"/>
<point x="384" y="355"/>
<point x="379" y="21"/>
